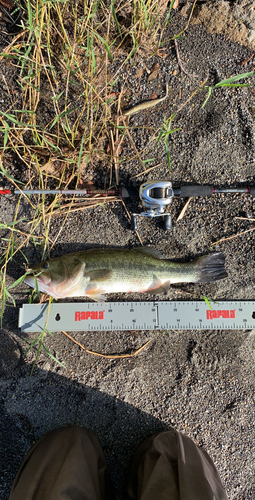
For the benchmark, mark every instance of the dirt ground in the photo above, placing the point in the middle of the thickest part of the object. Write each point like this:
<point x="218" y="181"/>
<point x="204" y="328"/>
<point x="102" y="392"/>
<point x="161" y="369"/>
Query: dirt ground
<point x="199" y="382"/>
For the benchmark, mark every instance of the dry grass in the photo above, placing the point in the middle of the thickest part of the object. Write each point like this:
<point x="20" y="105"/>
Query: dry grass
<point x="67" y="115"/>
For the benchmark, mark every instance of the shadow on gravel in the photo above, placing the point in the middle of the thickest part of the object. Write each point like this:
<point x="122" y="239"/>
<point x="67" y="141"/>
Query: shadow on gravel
<point x="31" y="406"/>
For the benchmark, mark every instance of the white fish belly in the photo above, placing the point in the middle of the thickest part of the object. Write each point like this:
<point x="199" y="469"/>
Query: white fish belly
<point x="131" y="284"/>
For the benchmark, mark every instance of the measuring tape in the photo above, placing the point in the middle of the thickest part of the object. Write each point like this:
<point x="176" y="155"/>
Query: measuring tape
<point x="181" y="315"/>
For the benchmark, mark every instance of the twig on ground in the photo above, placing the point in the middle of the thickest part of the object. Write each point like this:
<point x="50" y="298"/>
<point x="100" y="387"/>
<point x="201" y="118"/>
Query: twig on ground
<point x="191" y="75"/>
<point x="118" y="142"/>
<point x="8" y="4"/>
<point x="133" y="145"/>
<point x="232" y="237"/>
<point x="190" y="16"/>
<point x="82" y="206"/>
<point x="129" y="216"/>
<point x="146" y="171"/>
<point x="245" y="61"/>
<point x="146" y="104"/>
<point x="108" y="356"/>
<point x="181" y="215"/>
<point x="191" y="96"/>
<point x="245" y="218"/>
<point x="113" y="156"/>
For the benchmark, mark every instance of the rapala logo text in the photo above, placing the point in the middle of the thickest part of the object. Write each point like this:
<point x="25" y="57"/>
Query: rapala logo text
<point x="79" y="315"/>
<point x="225" y="313"/>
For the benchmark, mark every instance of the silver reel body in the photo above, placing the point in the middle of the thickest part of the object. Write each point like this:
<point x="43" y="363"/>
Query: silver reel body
<point x="155" y="197"/>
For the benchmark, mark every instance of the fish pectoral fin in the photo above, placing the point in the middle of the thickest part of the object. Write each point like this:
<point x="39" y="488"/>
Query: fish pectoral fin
<point x="95" y="293"/>
<point x="93" y="290"/>
<point x="99" y="274"/>
<point x="157" y="286"/>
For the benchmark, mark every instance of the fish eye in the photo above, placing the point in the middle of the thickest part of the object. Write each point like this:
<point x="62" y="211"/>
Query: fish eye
<point x="45" y="265"/>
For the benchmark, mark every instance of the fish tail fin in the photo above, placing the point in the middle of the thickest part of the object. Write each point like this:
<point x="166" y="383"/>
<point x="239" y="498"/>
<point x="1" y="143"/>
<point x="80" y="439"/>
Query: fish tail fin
<point x="210" y="267"/>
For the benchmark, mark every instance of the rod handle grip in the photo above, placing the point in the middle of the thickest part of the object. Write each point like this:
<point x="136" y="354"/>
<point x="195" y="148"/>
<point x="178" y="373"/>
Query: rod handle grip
<point x="129" y="191"/>
<point x="195" y="190"/>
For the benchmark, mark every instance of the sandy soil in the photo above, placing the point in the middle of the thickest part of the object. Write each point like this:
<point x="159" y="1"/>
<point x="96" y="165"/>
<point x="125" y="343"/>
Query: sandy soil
<point x="199" y="382"/>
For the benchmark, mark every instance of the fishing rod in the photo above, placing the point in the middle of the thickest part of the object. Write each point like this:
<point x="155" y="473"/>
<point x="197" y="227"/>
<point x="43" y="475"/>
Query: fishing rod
<point x="155" y="196"/>
<point x="85" y="192"/>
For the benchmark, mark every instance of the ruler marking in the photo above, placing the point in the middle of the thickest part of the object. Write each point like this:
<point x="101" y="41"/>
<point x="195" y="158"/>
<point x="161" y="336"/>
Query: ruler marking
<point x="149" y="315"/>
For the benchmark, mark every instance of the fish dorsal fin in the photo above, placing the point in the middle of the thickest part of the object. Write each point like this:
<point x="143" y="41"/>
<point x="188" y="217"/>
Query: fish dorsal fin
<point x="99" y="274"/>
<point x="150" y="251"/>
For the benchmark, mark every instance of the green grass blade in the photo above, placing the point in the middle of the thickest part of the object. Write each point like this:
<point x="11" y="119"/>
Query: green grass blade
<point x="169" y="10"/>
<point x="162" y="133"/>
<point x="208" y="301"/>
<point x="31" y="345"/>
<point x="6" y="132"/>
<point x="208" y="95"/>
<point x="105" y="45"/>
<point x="235" y="78"/>
<point x="80" y="152"/>
<point x="64" y="113"/>
<point x="145" y="12"/>
<point x="115" y="18"/>
<point x="51" y="355"/>
<point x="10" y="224"/>
<point x="168" y="154"/>
<point x="13" y="120"/>
<point x="9" y="176"/>
<point x="18" y="281"/>
<point x="36" y="288"/>
<point x="149" y="159"/>
<point x="10" y="297"/>
<point x="172" y="131"/>
<point x="234" y="85"/>
<point x="95" y="9"/>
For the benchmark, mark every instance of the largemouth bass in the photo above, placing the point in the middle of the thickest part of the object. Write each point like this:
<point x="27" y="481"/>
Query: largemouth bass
<point x="94" y="272"/>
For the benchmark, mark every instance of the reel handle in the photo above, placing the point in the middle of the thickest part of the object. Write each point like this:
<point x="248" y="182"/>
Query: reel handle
<point x="133" y="225"/>
<point x="168" y="222"/>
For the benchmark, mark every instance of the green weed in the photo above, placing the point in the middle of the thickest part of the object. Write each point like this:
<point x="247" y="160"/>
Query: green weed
<point x="208" y="301"/>
<point x="229" y="82"/>
<point x="164" y="136"/>
<point x="63" y="114"/>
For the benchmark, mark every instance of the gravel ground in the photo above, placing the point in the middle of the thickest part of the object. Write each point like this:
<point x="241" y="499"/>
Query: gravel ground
<point x="199" y="382"/>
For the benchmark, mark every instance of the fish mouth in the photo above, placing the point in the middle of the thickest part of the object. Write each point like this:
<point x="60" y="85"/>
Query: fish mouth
<point x="42" y="281"/>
